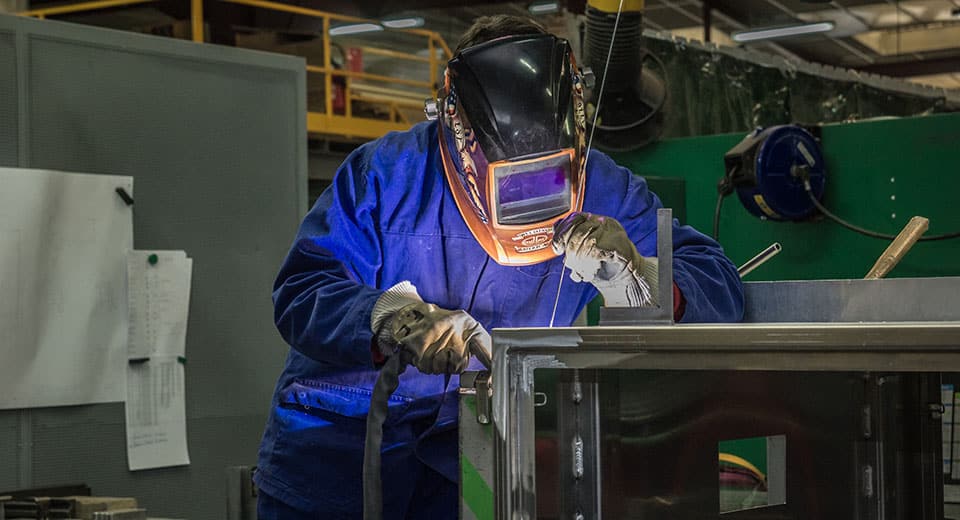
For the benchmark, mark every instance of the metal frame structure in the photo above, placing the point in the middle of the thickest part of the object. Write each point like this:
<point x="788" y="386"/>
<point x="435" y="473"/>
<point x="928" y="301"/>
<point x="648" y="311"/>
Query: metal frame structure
<point x="326" y="123"/>
<point x="900" y="347"/>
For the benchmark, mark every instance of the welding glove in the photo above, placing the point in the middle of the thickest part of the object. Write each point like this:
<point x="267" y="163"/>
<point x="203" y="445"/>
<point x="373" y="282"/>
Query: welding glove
<point x="435" y="340"/>
<point x="598" y="250"/>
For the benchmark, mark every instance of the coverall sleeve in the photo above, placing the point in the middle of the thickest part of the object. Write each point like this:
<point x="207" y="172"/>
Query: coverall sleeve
<point x="326" y="287"/>
<point x="705" y="276"/>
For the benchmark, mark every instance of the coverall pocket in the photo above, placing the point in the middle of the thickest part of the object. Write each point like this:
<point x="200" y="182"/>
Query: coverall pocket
<point x="318" y="452"/>
<point x="322" y="398"/>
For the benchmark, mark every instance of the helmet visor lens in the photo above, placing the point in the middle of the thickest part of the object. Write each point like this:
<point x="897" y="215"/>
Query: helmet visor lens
<point x="533" y="190"/>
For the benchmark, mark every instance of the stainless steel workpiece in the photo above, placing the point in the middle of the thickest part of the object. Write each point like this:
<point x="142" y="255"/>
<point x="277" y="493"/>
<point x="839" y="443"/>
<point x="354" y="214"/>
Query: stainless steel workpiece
<point x="823" y="384"/>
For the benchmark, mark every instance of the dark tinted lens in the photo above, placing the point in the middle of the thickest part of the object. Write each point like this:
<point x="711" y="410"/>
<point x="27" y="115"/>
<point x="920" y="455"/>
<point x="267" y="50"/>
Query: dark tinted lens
<point x="531" y="185"/>
<point x="533" y="192"/>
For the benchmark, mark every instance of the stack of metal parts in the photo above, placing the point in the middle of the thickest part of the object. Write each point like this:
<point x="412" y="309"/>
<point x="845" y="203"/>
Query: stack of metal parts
<point x="35" y="507"/>
<point x="121" y="514"/>
<point x="16" y="507"/>
<point x="87" y="508"/>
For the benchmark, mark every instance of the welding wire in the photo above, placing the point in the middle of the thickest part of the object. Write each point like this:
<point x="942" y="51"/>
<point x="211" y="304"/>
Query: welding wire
<point x="593" y="128"/>
<point x="556" y="300"/>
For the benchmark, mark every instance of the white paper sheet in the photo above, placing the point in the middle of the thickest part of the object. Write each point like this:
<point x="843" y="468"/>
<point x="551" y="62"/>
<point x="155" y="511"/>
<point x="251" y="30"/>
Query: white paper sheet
<point x="64" y="239"/>
<point x="158" y="288"/>
<point x="158" y="297"/>
<point x="156" y="415"/>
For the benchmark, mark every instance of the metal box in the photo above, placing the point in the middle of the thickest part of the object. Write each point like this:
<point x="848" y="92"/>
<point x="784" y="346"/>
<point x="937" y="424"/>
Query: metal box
<point x="628" y="422"/>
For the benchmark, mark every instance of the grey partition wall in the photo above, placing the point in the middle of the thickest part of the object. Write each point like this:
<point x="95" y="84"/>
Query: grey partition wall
<point x="8" y="98"/>
<point x="215" y="139"/>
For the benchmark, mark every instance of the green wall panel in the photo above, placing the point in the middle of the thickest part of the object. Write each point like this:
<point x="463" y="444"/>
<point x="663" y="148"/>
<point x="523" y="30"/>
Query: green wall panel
<point x="880" y="173"/>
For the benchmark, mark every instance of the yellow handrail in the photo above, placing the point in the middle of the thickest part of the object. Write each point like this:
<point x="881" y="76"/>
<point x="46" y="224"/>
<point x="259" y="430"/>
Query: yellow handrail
<point x="81" y="7"/>
<point x="367" y="75"/>
<point x="196" y="20"/>
<point x="276" y="6"/>
<point x="328" y="122"/>
<point x="393" y="54"/>
<point x="443" y="45"/>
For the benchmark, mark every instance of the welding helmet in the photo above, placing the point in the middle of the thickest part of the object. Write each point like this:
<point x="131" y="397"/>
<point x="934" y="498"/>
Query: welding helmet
<point x="512" y="141"/>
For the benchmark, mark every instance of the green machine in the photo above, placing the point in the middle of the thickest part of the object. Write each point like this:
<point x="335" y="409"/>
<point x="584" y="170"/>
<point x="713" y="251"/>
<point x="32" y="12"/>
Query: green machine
<point x="880" y="173"/>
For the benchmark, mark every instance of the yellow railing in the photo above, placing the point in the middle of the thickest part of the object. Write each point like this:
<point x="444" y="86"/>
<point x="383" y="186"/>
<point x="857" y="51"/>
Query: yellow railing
<point x="81" y="7"/>
<point x="371" y="91"/>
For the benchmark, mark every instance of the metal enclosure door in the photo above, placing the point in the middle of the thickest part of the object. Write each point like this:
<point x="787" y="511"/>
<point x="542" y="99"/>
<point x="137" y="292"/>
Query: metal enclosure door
<point x="857" y="445"/>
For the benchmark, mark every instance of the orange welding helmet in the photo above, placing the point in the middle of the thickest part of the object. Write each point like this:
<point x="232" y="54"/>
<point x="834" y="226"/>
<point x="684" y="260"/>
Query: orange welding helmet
<point x="512" y="142"/>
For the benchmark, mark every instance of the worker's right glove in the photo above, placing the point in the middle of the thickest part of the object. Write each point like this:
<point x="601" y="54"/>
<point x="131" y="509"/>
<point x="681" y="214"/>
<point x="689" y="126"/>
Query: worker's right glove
<point x="598" y="250"/>
<point x="435" y="340"/>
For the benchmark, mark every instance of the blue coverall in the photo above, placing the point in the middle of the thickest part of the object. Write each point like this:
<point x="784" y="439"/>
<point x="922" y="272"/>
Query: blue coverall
<point x="390" y="216"/>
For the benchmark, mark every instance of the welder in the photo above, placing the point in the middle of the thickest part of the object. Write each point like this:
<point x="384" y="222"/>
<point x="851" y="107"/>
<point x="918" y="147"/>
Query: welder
<point x="431" y="237"/>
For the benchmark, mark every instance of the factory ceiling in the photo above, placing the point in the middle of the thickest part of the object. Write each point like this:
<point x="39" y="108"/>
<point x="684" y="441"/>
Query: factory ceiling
<point x="915" y="39"/>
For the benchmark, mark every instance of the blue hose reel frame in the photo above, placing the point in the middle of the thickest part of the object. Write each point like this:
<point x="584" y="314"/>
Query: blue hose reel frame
<point x="768" y="169"/>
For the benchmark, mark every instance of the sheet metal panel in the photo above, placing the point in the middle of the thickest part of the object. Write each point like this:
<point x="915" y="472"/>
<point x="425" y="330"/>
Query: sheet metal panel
<point x="893" y="299"/>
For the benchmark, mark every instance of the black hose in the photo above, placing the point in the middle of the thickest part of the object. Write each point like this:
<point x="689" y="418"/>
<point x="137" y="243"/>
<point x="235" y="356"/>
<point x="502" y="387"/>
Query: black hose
<point x="864" y="231"/>
<point x="716" y="217"/>
<point x="387" y="382"/>
<point x="622" y="60"/>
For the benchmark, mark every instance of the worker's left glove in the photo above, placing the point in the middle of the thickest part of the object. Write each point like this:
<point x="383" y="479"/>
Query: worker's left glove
<point x="435" y="340"/>
<point x="599" y="251"/>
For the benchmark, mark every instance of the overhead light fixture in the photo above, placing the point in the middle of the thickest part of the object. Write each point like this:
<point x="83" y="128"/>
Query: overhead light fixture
<point x="403" y="23"/>
<point x="780" y="32"/>
<point x="355" y="28"/>
<point x="544" y="7"/>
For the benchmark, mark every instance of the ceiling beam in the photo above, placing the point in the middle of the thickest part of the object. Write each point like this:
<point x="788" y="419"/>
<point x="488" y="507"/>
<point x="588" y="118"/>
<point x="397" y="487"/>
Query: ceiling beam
<point x="926" y="67"/>
<point x="723" y="17"/>
<point x="900" y="9"/>
<point x="846" y="46"/>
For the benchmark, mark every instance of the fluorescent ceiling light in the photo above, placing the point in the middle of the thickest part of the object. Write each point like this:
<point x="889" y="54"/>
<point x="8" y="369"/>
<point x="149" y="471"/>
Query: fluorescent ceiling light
<point x="544" y="7"/>
<point x="403" y="23"/>
<point x="780" y="32"/>
<point x="355" y="28"/>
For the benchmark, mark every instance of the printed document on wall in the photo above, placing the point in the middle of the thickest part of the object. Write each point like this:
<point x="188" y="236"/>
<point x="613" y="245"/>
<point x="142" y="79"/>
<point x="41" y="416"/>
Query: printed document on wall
<point x="156" y="413"/>
<point x="64" y="239"/>
<point x="158" y="286"/>
<point x="159" y="302"/>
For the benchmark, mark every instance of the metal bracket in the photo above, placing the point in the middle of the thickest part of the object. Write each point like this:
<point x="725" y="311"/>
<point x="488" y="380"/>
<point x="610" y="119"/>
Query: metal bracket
<point x="480" y="385"/>
<point x="662" y="312"/>
<point x="579" y="441"/>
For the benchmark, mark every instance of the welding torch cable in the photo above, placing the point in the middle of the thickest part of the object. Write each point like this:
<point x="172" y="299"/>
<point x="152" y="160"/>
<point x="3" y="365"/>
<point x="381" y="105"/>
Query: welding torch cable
<point x="716" y="216"/>
<point x="593" y="129"/>
<point x="387" y="382"/>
